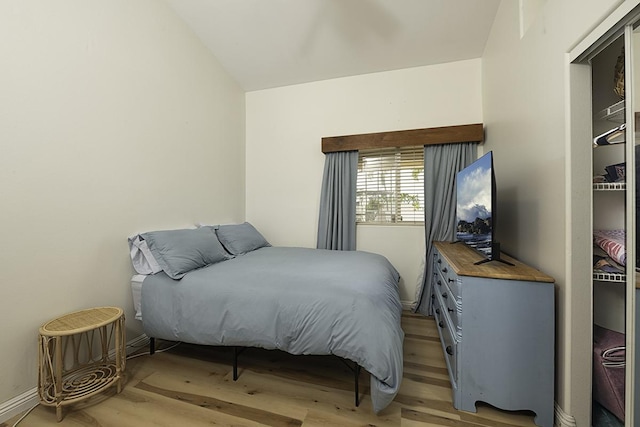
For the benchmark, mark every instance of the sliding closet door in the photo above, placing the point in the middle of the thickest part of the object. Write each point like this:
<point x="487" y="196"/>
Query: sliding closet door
<point x="633" y="117"/>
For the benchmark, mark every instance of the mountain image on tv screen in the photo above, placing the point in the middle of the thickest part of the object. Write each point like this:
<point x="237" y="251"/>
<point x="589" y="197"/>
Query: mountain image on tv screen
<point x="473" y="208"/>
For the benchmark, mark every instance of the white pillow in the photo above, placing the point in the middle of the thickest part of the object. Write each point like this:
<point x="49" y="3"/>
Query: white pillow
<point x="141" y="257"/>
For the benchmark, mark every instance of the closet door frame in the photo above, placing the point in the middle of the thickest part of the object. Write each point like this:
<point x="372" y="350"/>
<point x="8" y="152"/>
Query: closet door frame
<point x="579" y="149"/>
<point x="630" y="172"/>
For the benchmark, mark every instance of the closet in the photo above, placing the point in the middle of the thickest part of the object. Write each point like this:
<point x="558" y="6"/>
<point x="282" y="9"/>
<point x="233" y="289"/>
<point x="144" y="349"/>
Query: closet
<point x="610" y="217"/>
<point x="614" y="253"/>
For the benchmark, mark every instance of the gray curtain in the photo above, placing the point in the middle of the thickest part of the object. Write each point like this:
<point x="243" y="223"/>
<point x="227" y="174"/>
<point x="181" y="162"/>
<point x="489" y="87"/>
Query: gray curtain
<point x="337" y="221"/>
<point x="441" y="165"/>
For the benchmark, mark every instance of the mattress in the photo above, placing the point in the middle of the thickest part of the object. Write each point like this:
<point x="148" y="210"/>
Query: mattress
<point x="136" y="292"/>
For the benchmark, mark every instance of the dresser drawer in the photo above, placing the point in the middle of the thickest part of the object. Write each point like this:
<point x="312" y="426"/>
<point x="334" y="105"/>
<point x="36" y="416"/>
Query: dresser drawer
<point x="446" y="274"/>
<point x="449" y="343"/>
<point x="453" y="310"/>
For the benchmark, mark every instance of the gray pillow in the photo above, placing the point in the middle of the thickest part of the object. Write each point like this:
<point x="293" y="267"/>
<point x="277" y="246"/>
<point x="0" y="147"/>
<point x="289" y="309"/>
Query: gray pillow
<point x="239" y="239"/>
<point x="180" y="251"/>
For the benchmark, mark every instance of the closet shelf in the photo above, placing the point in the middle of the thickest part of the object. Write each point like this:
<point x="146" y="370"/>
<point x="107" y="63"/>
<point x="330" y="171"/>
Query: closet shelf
<point x="610" y="186"/>
<point x="613" y="113"/>
<point x="602" y="276"/>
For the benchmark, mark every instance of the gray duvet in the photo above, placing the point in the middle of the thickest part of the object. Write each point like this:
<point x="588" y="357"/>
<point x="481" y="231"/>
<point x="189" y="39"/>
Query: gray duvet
<point x="302" y="301"/>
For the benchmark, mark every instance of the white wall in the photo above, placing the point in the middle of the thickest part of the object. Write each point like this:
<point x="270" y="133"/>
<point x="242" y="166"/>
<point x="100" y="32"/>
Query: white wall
<point x="284" y="162"/>
<point x="113" y="119"/>
<point x="525" y="104"/>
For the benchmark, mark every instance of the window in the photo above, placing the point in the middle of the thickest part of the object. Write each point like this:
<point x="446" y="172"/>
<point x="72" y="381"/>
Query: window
<point x="390" y="187"/>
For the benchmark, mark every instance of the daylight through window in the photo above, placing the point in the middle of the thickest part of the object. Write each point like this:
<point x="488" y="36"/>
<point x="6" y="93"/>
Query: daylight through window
<point x="390" y="187"/>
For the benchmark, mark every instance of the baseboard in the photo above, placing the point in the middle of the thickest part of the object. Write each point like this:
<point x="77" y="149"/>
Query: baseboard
<point x="29" y="398"/>
<point x="562" y="418"/>
<point x="137" y="342"/>
<point x="406" y="305"/>
<point x="18" y="404"/>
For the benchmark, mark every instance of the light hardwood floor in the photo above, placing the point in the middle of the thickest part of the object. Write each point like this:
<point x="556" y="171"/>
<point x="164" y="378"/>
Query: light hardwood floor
<point x="193" y="386"/>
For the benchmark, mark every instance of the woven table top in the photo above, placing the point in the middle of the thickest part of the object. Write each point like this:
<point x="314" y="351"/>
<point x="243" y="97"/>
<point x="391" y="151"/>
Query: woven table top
<point x="80" y="321"/>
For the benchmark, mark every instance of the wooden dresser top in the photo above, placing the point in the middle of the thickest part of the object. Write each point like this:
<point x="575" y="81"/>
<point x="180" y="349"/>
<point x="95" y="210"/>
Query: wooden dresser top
<point x="462" y="259"/>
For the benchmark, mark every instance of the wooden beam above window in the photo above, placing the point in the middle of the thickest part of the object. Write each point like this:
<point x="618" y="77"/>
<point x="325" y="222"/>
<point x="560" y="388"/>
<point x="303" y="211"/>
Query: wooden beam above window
<point x="404" y="138"/>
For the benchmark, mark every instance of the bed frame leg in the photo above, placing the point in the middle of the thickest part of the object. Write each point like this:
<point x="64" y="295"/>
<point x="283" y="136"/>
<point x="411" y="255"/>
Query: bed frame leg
<point x="235" y="363"/>
<point x="236" y="352"/>
<point x="152" y="346"/>
<point x="357" y="373"/>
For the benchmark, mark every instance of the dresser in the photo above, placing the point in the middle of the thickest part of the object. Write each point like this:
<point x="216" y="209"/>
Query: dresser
<point x="496" y="325"/>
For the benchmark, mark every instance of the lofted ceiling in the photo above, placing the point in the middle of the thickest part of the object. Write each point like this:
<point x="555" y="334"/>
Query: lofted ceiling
<point x="272" y="43"/>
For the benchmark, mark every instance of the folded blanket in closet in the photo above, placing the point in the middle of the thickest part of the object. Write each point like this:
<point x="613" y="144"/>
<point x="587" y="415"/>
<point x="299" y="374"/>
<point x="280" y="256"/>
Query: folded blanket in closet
<point x="608" y="381"/>
<point x="607" y="265"/>
<point x="614" y="357"/>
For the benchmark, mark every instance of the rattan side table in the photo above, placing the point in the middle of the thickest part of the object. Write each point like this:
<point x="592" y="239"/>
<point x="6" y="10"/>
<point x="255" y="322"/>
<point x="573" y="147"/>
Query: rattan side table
<point x="80" y="355"/>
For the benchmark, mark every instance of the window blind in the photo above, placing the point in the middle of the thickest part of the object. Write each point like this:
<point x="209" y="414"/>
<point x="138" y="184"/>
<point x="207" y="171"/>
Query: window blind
<point x="390" y="186"/>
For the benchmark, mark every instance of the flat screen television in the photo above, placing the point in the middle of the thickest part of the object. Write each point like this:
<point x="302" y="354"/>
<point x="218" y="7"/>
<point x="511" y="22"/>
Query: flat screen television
<point x="476" y="208"/>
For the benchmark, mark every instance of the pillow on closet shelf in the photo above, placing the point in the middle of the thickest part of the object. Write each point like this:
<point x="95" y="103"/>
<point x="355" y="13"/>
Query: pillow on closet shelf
<point x="180" y="251"/>
<point x="613" y="243"/>
<point x="239" y="239"/>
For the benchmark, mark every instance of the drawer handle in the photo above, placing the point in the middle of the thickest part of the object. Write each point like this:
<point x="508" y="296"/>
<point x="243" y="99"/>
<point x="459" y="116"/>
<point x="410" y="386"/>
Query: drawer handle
<point x="444" y="270"/>
<point x="450" y="280"/>
<point x="433" y="296"/>
<point x="441" y="324"/>
<point x="437" y="311"/>
<point x="445" y="295"/>
<point x="450" y="310"/>
<point x="439" y="261"/>
<point x="439" y="283"/>
<point x="449" y="350"/>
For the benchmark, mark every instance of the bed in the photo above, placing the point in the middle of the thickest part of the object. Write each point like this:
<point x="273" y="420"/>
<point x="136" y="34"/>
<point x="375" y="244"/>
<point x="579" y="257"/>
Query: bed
<point x="298" y="300"/>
